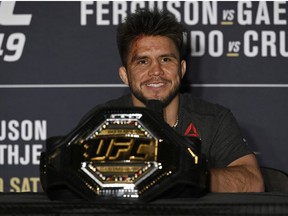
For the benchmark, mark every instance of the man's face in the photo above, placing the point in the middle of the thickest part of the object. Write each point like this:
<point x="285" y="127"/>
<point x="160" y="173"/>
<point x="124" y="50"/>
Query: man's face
<point x="153" y="69"/>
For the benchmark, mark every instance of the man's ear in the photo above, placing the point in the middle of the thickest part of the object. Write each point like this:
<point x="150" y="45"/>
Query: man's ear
<point x="183" y="68"/>
<point x="123" y="75"/>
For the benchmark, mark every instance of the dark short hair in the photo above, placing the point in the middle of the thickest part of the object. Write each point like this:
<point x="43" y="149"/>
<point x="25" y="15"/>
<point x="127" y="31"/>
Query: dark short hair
<point x="152" y="23"/>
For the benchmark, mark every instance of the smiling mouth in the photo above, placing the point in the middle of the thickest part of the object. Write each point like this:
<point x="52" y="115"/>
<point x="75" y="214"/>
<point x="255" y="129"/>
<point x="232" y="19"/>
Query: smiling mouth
<point x="155" y="85"/>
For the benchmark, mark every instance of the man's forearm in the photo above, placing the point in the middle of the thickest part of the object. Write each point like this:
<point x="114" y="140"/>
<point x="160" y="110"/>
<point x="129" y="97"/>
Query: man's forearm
<point x="236" y="179"/>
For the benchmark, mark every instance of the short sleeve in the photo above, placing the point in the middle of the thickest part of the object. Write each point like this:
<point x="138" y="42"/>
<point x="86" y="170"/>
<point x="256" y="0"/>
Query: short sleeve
<point x="227" y="143"/>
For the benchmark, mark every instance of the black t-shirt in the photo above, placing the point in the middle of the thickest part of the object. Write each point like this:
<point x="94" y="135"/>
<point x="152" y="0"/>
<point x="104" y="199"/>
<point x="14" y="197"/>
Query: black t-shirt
<point x="217" y="128"/>
<point x="215" y="125"/>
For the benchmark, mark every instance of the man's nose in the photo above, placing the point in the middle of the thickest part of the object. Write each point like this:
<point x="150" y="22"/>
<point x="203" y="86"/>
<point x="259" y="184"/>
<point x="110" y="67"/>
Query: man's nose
<point x="156" y="69"/>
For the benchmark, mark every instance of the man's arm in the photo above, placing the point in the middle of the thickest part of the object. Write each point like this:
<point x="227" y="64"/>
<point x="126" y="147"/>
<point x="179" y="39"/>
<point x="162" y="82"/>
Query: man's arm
<point x="242" y="175"/>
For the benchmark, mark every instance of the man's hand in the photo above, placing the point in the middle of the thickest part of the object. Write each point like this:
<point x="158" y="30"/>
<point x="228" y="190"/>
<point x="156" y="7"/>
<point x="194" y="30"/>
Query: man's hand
<point x="242" y="175"/>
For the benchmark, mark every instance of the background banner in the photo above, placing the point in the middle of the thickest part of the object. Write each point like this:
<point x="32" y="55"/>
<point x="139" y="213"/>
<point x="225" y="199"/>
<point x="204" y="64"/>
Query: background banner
<point x="59" y="59"/>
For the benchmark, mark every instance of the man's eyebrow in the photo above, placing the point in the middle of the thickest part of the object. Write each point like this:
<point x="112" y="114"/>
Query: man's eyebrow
<point x="138" y="57"/>
<point x="169" y="55"/>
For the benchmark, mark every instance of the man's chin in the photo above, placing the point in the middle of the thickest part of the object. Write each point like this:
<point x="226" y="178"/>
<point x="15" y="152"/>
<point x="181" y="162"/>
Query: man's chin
<point x="162" y="99"/>
<point x="156" y="96"/>
<point x="165" y="100"/>
<point x="143" y="98"/>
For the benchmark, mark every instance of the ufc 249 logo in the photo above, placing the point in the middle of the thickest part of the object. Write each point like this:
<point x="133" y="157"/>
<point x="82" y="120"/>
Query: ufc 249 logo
<point x="12" y="45"/>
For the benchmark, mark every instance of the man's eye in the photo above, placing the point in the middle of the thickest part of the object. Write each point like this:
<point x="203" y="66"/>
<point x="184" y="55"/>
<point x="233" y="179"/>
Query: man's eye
<point x="143" y="61"/>
<point x="165" y="59"/>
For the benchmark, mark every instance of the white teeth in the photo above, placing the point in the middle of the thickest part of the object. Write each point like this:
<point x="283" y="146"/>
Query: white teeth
<point x="155" y="85"/>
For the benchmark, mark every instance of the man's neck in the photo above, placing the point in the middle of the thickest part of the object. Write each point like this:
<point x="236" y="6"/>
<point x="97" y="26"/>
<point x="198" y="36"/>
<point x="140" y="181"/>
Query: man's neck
<point x="171" y="112"/>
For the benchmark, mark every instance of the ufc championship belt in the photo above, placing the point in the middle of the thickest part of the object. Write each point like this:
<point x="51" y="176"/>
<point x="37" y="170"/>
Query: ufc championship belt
<point x="126" y="153"/>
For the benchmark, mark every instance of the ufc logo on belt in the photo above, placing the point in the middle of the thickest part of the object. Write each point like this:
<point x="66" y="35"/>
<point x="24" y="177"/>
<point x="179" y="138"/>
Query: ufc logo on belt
<point x="115" y="149"/>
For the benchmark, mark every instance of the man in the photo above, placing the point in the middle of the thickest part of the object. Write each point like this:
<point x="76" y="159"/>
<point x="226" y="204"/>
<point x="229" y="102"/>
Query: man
<point x="150" y="45"/>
